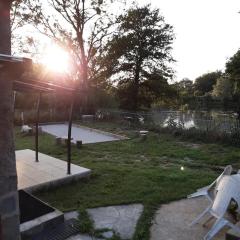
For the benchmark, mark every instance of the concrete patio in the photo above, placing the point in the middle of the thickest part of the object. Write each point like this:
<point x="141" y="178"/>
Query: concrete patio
<point x="81" y="133"/>
<point x="46" y="173"/>
<point x="172" y="221"/>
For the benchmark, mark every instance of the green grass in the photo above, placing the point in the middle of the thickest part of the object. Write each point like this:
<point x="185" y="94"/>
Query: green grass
<point x="134" y="171"/>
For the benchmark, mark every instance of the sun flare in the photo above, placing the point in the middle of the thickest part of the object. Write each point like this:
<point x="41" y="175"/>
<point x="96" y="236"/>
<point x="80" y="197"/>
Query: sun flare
<point x="56" y="59"/>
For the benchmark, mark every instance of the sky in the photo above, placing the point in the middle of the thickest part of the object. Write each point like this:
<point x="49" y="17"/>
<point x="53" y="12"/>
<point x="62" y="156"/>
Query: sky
<point x="207" y="33"/>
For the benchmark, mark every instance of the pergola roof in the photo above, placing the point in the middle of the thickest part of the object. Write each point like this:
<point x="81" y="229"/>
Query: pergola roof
<point x="53" y="86"/>
<point x="17" y="66"/>
<point x="28" y="87"/>
<point x="37" y="85"/>
<point x="6" y="59"/>
<point x="20" y="65"/>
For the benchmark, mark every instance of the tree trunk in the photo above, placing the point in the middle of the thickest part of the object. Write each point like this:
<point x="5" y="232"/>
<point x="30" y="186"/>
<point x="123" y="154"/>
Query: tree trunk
<point x="136" y="86"/>
<point x="83" y="73"/>
<point x="9" y="211"/>
<point x="84" y="80"/>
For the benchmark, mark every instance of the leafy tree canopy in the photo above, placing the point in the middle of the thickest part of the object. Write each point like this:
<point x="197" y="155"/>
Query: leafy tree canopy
<point x="78" y="26"/>
<point x="233" y="66"/>
<point x="138" y="56"/>
<point x="223" y="89"/>
<point x="204" y="84"/>
<point x="233" y="71"/>
<point x="184" y="87"/>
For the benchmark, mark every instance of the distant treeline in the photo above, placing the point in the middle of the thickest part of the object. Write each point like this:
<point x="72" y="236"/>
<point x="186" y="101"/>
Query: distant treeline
<point x="212" y="90"/>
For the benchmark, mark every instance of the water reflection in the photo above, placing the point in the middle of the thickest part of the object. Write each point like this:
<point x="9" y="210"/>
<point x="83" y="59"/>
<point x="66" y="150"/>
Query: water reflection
<point x="206" y="120"/>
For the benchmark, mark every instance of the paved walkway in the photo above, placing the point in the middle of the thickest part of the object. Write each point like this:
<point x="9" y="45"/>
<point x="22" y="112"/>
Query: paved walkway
<point x="48" y="171"/>
<point x="172" y="221"/>
<point x="121" y="219"/>
<point x="82" y="237"/>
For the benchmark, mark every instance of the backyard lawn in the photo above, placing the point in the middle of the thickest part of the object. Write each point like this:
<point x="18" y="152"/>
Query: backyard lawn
<point x="134" y="171"/>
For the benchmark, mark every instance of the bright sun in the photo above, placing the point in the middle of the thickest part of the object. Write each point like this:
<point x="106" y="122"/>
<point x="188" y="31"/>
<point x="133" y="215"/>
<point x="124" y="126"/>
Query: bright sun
<point x="56" y="59"/>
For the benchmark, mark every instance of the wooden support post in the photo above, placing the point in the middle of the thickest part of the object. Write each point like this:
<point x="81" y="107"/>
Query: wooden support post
<point x="37" y="126"/>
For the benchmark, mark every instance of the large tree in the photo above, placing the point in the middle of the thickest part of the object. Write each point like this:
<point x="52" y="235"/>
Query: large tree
<point x="204" y="84"/>
<point x="184" y="91"/>
<point x="79" y="26"/>
<point x="233" y="70"/>
<point x="138" y="55"/>
<point x="223" y="89"/>
<point x="184" y="87"/>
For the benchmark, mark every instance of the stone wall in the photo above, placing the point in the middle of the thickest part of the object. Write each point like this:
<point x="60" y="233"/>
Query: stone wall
<point x="9" y="210"/>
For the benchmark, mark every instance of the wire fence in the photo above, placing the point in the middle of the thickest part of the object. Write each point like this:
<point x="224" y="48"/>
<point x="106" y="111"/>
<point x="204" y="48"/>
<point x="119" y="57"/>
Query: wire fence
<point x="224" y="122"/>
<point x="204" y="121"/>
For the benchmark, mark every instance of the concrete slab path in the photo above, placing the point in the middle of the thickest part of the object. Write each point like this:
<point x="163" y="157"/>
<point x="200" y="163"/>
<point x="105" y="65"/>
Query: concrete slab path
<point x="172" y="221"/>
<point x="122" y="219"/>
<point x="82" y="237"/>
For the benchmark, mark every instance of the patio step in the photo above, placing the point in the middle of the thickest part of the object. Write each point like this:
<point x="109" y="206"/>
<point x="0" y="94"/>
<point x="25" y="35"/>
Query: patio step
<point x="61" y="232"/>
<point x="36" y="216"/>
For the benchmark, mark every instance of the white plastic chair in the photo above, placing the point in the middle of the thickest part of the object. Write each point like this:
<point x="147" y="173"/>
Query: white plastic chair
<point x="210" y="190"/>
<point x="227" y="190"/>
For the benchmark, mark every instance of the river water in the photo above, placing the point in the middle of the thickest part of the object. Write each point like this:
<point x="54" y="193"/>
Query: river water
<point x="207" y="120"/>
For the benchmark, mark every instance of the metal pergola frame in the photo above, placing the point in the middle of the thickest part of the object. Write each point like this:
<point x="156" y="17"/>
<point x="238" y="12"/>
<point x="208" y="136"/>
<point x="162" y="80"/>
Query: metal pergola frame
<point x="21" y="65"/>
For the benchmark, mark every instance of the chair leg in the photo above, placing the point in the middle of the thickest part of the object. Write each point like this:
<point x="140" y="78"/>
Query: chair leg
<point x="198" y="194"/>
<point x="234" y="227"/>
<point x="209" y="198"/>
<point x="200" y="216"/>
<point x="218" y="225"/>
<point x="207" y="221"/>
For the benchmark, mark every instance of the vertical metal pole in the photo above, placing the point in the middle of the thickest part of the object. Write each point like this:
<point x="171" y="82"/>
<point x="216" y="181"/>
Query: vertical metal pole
<point x="14" y="103"/>
<point x="14" y="98"/>
<point x="69" y="147"/>
<point x="37" y="126"/>
<point x="22" y="118"/>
